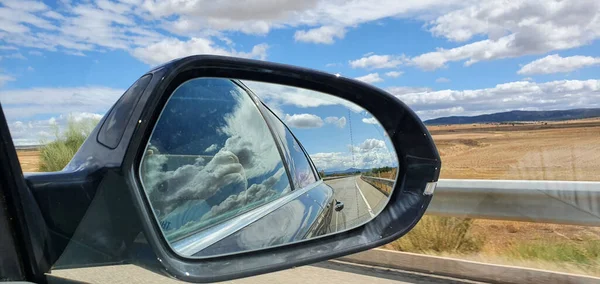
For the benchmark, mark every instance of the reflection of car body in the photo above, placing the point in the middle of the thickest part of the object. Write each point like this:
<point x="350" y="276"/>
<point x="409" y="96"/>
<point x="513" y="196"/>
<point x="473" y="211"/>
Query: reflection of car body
<point x="299" y="214"/>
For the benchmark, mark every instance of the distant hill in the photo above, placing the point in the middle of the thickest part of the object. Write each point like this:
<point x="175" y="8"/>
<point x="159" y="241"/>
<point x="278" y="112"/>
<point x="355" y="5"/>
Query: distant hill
<point x="519" y="115"/>
<point x="346" y="171"/>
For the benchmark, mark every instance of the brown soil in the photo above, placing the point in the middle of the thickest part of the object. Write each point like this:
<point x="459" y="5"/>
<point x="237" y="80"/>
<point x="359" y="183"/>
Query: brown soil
<point x="30" y="160"/>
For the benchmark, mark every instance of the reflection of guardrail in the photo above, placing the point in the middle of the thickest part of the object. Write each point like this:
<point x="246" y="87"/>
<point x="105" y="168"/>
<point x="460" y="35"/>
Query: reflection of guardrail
<point x="335" y="177"/>
<point x="559" y="202"/>
<point x="382" y="184"/>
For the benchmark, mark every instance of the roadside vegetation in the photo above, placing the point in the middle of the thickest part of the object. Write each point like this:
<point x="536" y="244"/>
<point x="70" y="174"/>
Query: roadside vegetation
<point x="55" y="155"/>
<point x="435" y="234"/>
<point x="583" y="253"/>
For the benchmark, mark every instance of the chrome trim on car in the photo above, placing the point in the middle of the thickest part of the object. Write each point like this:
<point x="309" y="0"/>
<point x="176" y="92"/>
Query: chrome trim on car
<point x="205" y="238"/>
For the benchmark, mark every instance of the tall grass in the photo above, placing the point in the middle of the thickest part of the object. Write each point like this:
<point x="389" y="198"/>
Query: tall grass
<point x="55" y="155"/>
<point x="576" y="252"/>
<point x="440" y="235"/>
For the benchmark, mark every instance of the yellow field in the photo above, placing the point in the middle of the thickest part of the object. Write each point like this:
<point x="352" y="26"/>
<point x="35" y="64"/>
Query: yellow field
<point x="541" y="151"/>
<point x="29" y="159"/>
<point x="556" y="151"/>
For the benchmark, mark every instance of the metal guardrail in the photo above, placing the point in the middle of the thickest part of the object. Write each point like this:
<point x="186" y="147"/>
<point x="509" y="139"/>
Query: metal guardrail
<point x="374" y="180"/>
<point x="560" y="202"/>
<point x="334" y="177"/>
<point x="386" y="181"/>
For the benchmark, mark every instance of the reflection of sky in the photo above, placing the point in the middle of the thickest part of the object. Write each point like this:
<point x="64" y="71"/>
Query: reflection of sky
<point x="328" y="138"/>
<point x="245" y="170"/>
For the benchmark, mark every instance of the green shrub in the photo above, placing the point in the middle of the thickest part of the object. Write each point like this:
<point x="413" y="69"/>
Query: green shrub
<point x="578" y="252"/>
<point x="440" y="235"/>
<point x="55" y="155"/>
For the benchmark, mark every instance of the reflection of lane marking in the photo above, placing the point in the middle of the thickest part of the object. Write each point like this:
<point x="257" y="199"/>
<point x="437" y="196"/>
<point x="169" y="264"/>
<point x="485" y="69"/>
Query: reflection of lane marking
<point x="364" y="199"/>
<point x="336" y="218"/>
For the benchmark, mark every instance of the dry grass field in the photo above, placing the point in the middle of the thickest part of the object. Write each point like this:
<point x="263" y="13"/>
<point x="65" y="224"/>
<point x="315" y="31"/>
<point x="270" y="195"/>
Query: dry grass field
<point x="29" y="159"/>
<point x="556" y="151"/>
<point x="568" y="150"/>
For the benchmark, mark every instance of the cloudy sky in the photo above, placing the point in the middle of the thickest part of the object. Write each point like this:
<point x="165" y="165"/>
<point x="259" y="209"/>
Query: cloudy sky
<point x="441" y="57"/>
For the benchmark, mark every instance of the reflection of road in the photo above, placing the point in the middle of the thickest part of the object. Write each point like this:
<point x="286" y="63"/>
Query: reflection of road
<point x="361" y="201"/>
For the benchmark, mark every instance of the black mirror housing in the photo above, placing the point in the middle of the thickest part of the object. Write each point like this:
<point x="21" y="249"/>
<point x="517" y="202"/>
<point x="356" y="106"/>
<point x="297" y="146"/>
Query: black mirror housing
<point x="419" y="164"/>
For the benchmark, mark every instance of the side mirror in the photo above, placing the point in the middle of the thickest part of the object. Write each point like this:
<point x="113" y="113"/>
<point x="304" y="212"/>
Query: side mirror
<point x="195" y="173"/>
<point x="339" y="206"/>
<point x="211" y="77"/>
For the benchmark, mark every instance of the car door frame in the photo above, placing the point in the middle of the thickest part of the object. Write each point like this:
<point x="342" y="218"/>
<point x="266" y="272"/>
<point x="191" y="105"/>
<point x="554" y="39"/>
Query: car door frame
<point x="25" y="225"/>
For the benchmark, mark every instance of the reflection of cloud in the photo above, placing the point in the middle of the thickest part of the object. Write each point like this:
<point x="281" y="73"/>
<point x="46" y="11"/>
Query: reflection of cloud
<point x="211" y="148"/>
<point x="304" y="120"/>
<point x="370" y="120"/>
<point x="254" y="193"/>
<point x="369" y="154"/>
<point x="273" y="94"/>
<point x="191" y="182"/>
<point x="247" y="153"/>
<point x="339" y="122"/>
<point x="371" y="144"/>
<point x="247" y="132"/>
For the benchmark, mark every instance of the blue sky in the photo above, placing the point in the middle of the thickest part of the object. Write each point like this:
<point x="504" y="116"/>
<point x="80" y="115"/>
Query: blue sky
<point x="441" y="57"/>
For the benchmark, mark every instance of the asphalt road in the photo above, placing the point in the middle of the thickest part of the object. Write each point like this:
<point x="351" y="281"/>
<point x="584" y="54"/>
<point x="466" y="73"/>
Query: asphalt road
<point x="361" y="201"/>
<point x="325" y="272"/>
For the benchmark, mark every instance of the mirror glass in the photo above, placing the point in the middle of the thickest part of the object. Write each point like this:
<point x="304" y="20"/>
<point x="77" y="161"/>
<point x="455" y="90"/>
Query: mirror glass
<point x="235" y="165"/>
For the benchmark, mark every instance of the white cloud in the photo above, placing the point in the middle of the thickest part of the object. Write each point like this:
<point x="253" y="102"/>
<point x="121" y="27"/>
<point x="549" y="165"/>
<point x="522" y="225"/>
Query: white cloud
<point x="8" y="47"/>
<point x="370" y="120"/>
<point x="556" y="64"/>
<point x="442" y="80"/>
<point x="34" y="131"/>
<point x="254" y="193"/>
<point x="29" y="68"/>
<point x="172" y="48"/>
<point x="562" y="94"/>
<point x="304" y="120"/>
<point x="127" y="25"/>
<point x="16" y="55"/>
<point x="377" y="61"/>
<point x="36" y="53"/>
<point x="323" y="35"/>
<point x="394" y="74"/>
<point x="451" y="111"/>
<point x="3" y="79"/>
<point x="370" y="78"/>
<point x="369" y="154"/>
<point x="337" y="121"/>
<point x="510" y="29"/>
<point x="246" y="130"/>
<point x="513" y="29"/>
<point x="371" y="144"/>
<point x="211" y="148"/>
<point x="53" y="15"/>
<point x="23" y="103"/>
